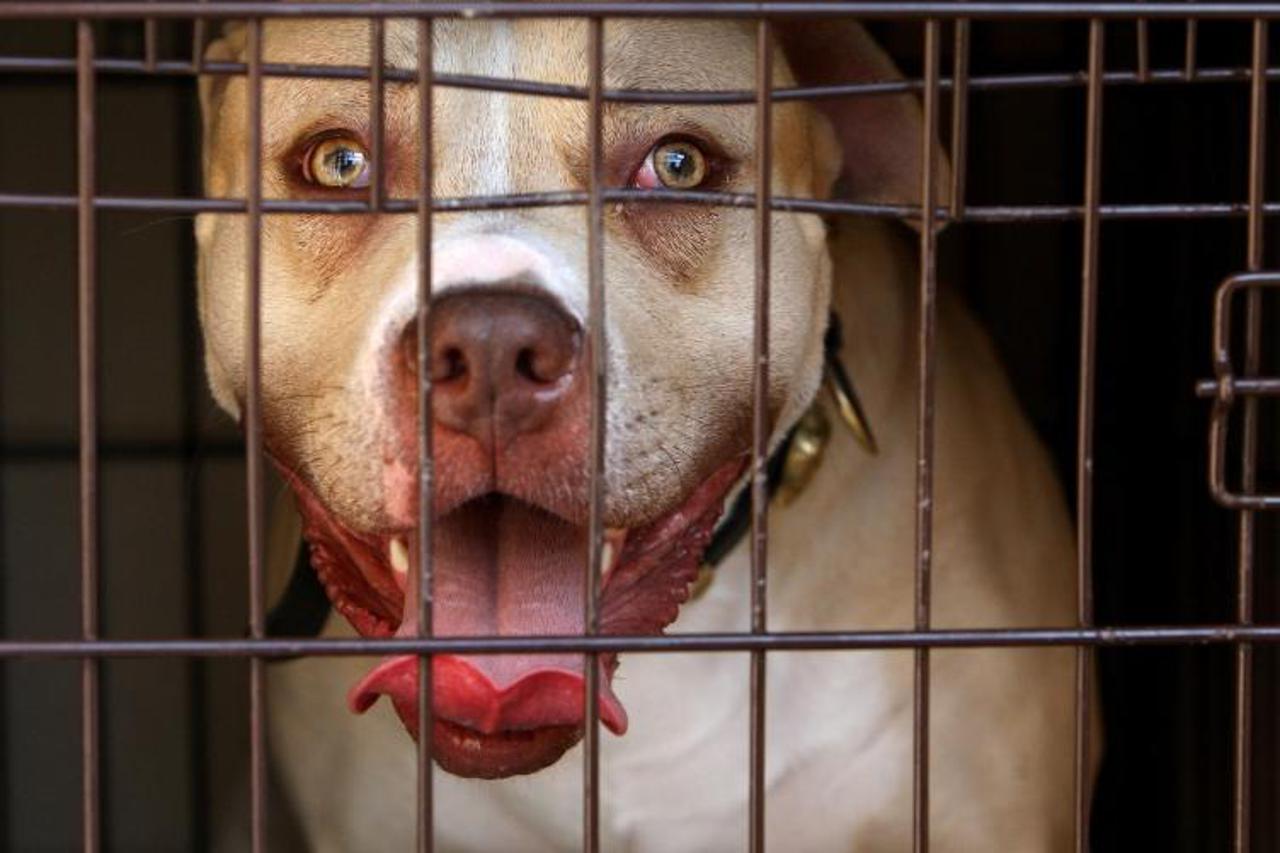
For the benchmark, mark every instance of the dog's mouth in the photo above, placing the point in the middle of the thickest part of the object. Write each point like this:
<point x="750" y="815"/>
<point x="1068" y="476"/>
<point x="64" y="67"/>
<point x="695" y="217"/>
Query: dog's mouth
<point x="503" y="566"/>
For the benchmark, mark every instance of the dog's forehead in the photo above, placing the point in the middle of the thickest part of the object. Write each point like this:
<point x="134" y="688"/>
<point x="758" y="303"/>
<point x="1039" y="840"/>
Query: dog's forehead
<point x="640" y="53"/>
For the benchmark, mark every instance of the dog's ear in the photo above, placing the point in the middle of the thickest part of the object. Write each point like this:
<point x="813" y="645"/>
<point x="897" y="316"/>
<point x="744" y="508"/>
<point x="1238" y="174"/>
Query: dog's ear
<point x="228" y="47"/>
<point x="878" y="135"/>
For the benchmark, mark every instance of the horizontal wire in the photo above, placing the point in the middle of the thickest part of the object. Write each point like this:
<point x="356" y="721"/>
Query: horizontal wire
<point x="1153" y="635"/>
<point x="816" y="9"/>
<point x="995" y="82"/>
<point x="565" y="198"/>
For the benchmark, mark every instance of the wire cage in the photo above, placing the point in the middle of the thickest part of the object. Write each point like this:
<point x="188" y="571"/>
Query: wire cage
<point x="1202" y="600"/>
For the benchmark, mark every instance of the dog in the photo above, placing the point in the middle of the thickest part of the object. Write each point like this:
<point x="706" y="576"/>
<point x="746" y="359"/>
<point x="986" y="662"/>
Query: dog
<point x="511" y="412"/>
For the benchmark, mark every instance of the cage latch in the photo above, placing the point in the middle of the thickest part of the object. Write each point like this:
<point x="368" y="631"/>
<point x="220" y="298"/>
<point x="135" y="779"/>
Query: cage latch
<point x="1227" y="386"/>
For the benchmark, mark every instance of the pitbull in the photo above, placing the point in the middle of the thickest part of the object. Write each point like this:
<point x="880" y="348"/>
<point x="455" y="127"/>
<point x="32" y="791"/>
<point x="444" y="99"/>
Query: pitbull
<point x="510" y="366"/>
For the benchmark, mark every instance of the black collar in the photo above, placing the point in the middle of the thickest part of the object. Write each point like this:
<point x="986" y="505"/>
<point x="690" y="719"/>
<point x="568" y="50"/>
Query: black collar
<point x="304" y="607"/>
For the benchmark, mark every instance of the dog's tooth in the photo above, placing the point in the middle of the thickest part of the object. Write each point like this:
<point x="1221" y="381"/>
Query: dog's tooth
<point x="606" y="557"/>
<point x="399" y="555"/>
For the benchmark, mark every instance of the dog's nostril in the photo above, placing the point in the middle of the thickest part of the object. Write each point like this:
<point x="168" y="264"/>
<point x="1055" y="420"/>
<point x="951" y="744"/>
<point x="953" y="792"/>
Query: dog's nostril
<point x="450" y="363"/>
<point x="539" y="365"/>
<point x="525" y="365"/>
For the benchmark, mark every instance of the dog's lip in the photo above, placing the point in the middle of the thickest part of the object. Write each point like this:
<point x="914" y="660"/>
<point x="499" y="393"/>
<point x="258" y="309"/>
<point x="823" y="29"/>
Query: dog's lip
<point x="648" y="570"/>
<point x="550" y="694"/>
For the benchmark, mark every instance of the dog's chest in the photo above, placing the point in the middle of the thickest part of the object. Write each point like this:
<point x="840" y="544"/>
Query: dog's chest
<point x="675" y="781"/>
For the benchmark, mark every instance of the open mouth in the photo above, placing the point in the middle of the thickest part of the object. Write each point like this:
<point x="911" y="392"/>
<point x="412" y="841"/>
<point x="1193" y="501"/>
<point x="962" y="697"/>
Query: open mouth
<point x="506" y="567"/>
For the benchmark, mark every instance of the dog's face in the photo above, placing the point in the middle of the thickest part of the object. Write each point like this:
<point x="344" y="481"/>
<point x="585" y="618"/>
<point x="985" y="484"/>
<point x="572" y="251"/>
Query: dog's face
<point x="510" y="363"/>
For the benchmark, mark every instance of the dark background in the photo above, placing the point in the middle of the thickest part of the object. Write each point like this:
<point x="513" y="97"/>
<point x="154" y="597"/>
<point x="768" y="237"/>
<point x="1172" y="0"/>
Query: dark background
<point x="173" y="487"/>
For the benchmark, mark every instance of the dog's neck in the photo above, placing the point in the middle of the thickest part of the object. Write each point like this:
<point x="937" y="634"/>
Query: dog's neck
<point x="872" y="295"/>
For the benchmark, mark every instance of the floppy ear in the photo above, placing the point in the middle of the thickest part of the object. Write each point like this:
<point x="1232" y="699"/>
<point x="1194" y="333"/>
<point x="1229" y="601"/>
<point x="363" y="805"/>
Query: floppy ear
<point x="879" y="135"/>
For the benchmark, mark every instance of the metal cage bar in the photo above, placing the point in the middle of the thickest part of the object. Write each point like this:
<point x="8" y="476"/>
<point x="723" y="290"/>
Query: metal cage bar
<point x="87" y="325"/>
<point x="812" y="9"/>
<point x="1243" y="724"/>
<point x="377" y="67"/>
<point x="150" y="43"/>
<point x="783" y="641"/>
<point x="1085" y="429"/>
<point x="981" y="214"/>
<point x="925" y="443"/>
<point x="1189" y="50"/>
<point x="596" y="450"/>
<point x="426" y="464"/>
<point x="253" y="437"/>
<point x="198" y="28"/>
<point x="1143" y="50"/>
<point x="985" y="82"/>
<point x="959" y="118"/>
<point x="760" y="430"/>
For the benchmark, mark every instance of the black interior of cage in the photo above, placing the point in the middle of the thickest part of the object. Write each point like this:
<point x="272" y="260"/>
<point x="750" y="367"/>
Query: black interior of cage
<point x="1165" y="553"/>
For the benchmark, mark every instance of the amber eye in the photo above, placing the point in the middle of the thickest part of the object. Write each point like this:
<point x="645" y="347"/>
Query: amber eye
<point x="678" y="165"/>
<point x="339" y="162"/>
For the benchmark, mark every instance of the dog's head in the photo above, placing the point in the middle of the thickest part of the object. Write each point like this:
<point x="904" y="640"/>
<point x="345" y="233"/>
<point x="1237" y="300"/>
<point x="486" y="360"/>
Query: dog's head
<point x="509" y="361"/>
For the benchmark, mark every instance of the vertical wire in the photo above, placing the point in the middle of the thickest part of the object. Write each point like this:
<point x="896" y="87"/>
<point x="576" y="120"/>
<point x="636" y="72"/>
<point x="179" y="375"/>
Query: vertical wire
<point x="87" y="320"/>
<point x="1144" y="50"/>
<point x="959" y="117"/>
<point x="1084" y="434"/>
<point x="925" y="436"/>
<point x="150" y="42"/>
<point x="253" y="433"/>
<point x="1189" y="50"/>
<point x="426" y="491"/>
<point x="192" y="538"/>
<point x="198" y="28"/>
<point x="377" y="46"/>
<point x="760" y="425"/>
<point x="1242" y="794"/>
<point x="595" y="462"/>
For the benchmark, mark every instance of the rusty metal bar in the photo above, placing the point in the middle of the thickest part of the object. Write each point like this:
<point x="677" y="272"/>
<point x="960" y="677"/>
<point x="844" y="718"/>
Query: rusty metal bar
<point x="959" y="118"/>
<point x="1143" y="50"/>
<point x="760" y="430"/>
<point x="596" y="451"/>
<point x="789" y="641"/>
<point x="1085" y="432"/>
<point x="252" y="425"/>
<point x="769" y="9"/>
<point x="925" y="444"/>
<point x="1189" y="51"/>
<point x="377" y="65"/>
<point x="1261" y="387"/>
<point x="198" y="28"/>
<point x="984" y="214"/>
<point x="426" y="463"/>
<point x="992" y="82"/>
<point x="87" y="344"/>
<point x="150" y="43"/>
<point x="1242" y="788"/>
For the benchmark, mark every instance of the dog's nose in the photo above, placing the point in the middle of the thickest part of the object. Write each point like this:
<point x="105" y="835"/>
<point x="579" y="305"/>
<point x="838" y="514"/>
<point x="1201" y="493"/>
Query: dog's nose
<point x="501" y="362"/>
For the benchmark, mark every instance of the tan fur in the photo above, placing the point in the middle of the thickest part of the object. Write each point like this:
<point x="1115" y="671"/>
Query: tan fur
<point x="839" y="739"/>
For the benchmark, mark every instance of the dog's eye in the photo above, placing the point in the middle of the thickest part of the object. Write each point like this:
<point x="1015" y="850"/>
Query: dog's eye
<point x="675" y="165"/>
<point x="339" y="162"/>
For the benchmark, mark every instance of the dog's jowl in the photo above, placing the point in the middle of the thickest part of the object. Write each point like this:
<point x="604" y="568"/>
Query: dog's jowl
<point x="511" y="368"/>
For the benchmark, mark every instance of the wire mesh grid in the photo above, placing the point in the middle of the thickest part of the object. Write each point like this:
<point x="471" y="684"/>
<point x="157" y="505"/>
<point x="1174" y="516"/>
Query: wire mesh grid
<point x="1226" y="389"/>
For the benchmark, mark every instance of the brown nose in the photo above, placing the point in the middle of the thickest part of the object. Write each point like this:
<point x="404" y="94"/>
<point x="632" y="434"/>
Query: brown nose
<point x="501" y="362"/>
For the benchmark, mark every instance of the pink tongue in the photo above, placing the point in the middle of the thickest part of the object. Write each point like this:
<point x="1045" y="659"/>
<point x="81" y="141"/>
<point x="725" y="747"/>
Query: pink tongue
<point x="501" y="568"/>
